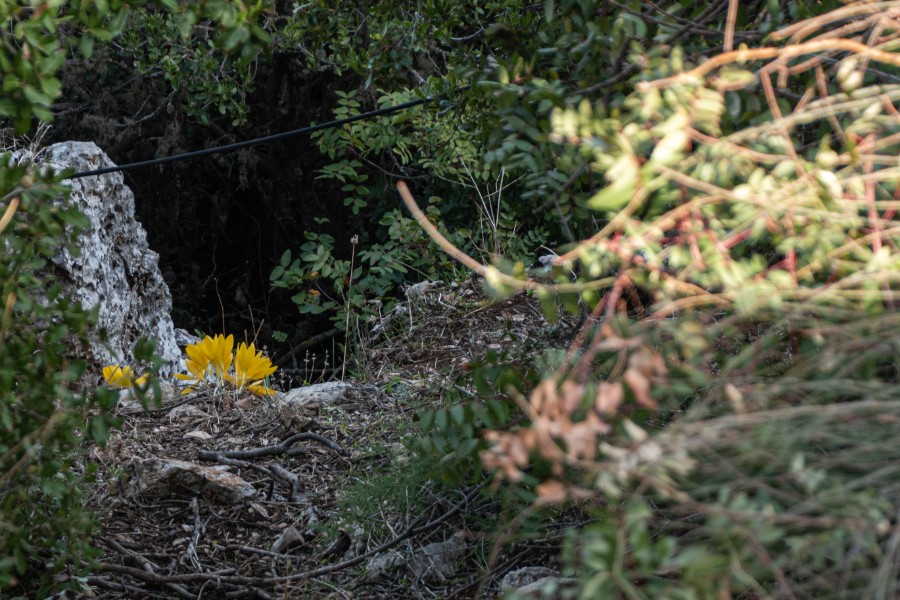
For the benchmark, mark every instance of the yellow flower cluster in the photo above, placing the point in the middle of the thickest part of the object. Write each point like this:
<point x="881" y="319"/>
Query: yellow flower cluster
<point x="122" y="377"/>
<point x="212" y="361"/>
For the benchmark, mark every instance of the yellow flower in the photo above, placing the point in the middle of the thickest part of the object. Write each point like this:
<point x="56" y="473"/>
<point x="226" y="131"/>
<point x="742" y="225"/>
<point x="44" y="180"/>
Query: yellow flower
<point x="209" y="360"/>
<point x="209" y="363"/>
<point x="122" y="377"/>
<point x="251" y="369"/>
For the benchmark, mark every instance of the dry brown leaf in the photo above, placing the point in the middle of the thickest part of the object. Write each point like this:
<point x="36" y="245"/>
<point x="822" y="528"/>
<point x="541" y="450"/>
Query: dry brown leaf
<point x="556" y="492"/>
<point x="609" y="397"/>
<point x="544" y="396"/>
<point x="551" y="492"/>
<point x="640" y="386"/>
<point x="507" y="453"/>
<point x="572" y="393"/>
<point x="597" y="425"/>
<point x="648" y="362"/>
<point x="581" y="442"/>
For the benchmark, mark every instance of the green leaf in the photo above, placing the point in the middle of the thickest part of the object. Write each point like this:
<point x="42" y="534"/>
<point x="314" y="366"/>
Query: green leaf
<point x="624" y="175"/>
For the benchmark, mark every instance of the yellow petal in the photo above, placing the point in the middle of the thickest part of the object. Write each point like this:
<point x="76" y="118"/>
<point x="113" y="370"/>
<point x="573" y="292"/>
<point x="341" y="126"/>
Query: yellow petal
<point x="220" y="349"/>
<point x="210" y="357"/>
<point x="196" y="353"/>
<point x="198" y="361"/>
<point x="197" y="370"/>
<point x="118" y="376"/>
<point x="112" y="373"/>
<point x="251" y="367"/>
<point x="261" y="390"/>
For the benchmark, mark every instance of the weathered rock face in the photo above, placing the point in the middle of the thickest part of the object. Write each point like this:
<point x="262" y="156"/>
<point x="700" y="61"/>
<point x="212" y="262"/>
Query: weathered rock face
<point x="161" y="477"/>
<point x="116" y="270"/>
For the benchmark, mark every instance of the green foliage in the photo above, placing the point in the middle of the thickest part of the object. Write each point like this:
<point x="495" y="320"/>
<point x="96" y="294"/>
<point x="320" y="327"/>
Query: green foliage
<point x="46" y="410"/>
<point x="740" y="256"/>
<point x="43" y="523"/>
<point x="737" y="380"/>
<point x="453" y="434"/>
<point x="399" y="485"/>
<point x="401" y="53"/>
<point x="394" y="250"/>
<point x="205" y="47"/>
<point x="623" y="535"/>
<point x="207" y="53"/>
<point x="391" y="45"/>
<point x="35" y="42"/>
<point x="740" y="262"/>
<point x="363" y="284"/>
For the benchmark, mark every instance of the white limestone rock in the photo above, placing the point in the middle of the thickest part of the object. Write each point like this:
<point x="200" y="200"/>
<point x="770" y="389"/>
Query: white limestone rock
<point x="319" y="394"/>
<point x="435" y="562"/>
<point x="384" y="564"/>
<point x="116" y="271"/>
<point x="525" y="576"/>
<point x="155" y="477"/>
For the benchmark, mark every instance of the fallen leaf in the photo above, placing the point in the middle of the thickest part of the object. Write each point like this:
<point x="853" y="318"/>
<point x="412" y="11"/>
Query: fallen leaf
<point x="259" y="509"/>
<point x="581" y="443"/>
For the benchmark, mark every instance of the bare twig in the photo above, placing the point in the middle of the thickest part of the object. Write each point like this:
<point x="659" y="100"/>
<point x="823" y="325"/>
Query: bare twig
<point x="147" y="566"/>
<point x="483" y="270"/>
<point x="281" y="448"/>
<point x="747" y="54"/>
<point x="190" y="553"/>
<point x="729" y="25"/>
<point x="227" y="577"/>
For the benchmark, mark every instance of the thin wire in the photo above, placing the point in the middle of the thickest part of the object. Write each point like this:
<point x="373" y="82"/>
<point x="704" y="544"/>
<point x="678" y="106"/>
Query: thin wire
<point x="254" y="142"/>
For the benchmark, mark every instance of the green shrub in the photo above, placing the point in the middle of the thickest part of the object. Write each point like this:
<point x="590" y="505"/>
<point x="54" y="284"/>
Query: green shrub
<point x="44" y="524"/>
<point x="724" y="413"/>
<point x="366" y="284"/>
<point x="46" y="412"/>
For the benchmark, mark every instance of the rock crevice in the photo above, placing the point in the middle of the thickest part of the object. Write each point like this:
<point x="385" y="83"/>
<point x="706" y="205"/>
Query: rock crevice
<point x="115" y="270"/>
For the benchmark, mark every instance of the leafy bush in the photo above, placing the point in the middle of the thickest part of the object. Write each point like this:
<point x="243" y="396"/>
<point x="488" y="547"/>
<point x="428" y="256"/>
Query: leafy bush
<point x="46" y="412"/>
<point x="44" y="525"/>
<point x="211" y="68"/>
<point x="367" y="155"/>
<point x="452" y="434"/>
<point x="726" y="407"/>
<point x="364" y="284"/>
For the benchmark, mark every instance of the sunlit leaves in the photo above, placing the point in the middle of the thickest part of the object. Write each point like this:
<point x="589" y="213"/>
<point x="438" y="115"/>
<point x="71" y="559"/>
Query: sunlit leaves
<point x="624" y="176"/>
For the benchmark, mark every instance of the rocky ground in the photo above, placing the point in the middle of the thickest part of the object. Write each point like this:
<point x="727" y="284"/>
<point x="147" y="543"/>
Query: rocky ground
<point x="319" y="492"/>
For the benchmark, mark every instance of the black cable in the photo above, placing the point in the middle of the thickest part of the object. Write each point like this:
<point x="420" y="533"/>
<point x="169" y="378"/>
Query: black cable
<point x="254" y="142"/>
